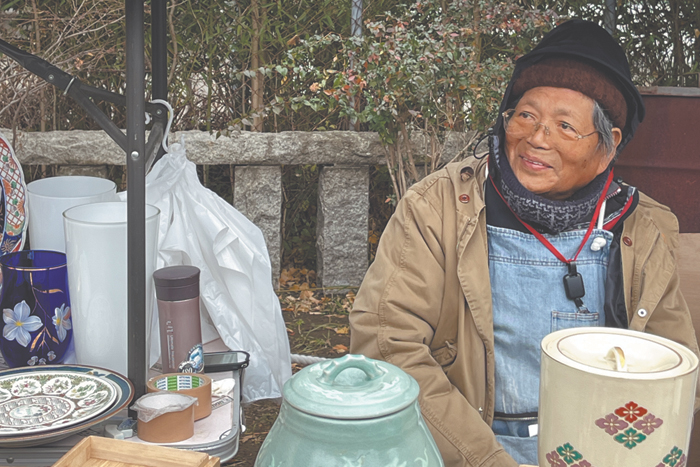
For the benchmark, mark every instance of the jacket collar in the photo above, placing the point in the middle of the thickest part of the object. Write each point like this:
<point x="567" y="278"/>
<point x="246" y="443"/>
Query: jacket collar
<point x="468" y="178"/>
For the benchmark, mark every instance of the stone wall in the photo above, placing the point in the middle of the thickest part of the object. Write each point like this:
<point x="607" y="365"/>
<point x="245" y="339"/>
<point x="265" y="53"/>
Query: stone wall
<point x="343" y="194"/>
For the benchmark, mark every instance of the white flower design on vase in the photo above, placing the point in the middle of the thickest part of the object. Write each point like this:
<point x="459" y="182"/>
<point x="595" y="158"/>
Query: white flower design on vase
<point x="62" y="321"/>
<point x="18" y="323"/>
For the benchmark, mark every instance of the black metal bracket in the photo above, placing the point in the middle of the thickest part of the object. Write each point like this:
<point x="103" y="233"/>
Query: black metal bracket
<point x="85" y="95"/>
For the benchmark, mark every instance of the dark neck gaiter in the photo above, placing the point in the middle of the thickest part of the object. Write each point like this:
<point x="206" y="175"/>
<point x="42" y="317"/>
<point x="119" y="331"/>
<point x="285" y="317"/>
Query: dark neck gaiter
<point x="553" y="216"/>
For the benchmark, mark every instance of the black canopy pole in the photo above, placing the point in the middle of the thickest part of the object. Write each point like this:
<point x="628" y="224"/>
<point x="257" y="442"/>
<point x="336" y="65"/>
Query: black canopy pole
<point x="136" y="198"/>
<point x="159" y="60"/>
<point x="160" y="49"/>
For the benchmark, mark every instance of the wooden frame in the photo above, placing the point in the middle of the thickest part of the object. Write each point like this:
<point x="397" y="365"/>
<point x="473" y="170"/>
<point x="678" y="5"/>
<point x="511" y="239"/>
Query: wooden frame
<point x="95" y="451"/>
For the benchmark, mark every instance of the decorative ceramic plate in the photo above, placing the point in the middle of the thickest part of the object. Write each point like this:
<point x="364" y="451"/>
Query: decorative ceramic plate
<point x="43" y="400"/>
<point x="13" y="214"/>
<point x="123" y="389"/>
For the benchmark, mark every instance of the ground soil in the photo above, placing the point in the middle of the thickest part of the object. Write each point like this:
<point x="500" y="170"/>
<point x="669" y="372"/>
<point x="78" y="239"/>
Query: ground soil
<point x="317" y="327"/>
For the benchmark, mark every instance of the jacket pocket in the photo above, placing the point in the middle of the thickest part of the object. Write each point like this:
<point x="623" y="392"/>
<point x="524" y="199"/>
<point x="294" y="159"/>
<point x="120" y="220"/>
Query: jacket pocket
<point x="445" y="355"/>
<point x="563" y="320"/>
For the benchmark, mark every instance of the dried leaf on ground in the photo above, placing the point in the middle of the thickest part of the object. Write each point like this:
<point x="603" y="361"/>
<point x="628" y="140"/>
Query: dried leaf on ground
<point x="307" y="295"/>
<point x="255" y="437"/>
<point x="340" y="348"/>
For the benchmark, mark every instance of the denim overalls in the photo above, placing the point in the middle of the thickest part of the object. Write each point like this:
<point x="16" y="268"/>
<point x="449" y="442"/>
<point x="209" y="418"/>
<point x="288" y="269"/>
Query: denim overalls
<point x="529" y="302"/>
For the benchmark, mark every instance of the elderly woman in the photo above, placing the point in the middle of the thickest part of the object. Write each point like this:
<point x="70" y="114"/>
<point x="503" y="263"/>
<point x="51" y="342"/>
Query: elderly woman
<point x="484" y="258"/>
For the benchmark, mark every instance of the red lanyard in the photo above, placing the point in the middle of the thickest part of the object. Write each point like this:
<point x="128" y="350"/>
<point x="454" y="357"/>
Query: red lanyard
<point x="546" y="242"/>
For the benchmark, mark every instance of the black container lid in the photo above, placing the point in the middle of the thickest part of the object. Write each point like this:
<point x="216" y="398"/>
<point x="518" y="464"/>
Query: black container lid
<point x="176" y="283"/>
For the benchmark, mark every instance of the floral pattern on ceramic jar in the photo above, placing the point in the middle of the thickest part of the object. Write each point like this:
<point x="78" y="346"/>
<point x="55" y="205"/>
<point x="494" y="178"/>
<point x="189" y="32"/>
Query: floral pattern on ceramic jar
<point x="630" y="424"/>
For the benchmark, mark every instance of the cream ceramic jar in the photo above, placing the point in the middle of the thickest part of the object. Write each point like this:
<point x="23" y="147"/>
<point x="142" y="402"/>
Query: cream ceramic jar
<point x="614" y="397"/>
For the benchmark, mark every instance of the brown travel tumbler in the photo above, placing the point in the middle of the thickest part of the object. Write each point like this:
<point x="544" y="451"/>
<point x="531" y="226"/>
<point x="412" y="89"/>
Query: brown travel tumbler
<point x="177" y="290"/>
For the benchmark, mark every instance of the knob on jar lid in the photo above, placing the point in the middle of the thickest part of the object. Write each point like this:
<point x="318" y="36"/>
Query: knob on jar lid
<point x="175" y="283"/>
<point x="352" y="387"/>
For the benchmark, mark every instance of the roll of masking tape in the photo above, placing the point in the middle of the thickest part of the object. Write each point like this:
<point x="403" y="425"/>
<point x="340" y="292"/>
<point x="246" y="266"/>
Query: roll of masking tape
<point x="193" y="384"/>
<point x="173" y="424"/>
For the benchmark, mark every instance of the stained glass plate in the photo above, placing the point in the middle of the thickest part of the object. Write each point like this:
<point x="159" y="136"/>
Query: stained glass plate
<point x="46" y="400"/>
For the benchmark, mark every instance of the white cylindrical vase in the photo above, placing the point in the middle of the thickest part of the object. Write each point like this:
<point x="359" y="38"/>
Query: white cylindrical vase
<point x="48" y="198"/>
<point x="96" y="251"/>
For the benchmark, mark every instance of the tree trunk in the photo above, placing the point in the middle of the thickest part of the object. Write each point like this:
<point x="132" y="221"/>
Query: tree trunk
<point x="477" y="37"/>
<point x="256" y="81"/>
<point x="678" y="62"/>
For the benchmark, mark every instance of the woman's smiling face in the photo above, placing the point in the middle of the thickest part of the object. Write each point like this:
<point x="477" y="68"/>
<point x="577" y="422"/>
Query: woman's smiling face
<point x="547" y="165"/>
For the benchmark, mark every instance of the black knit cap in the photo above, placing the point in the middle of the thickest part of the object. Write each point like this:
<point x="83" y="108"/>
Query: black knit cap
<point x="590" y="44"/>
<point x="579" y="76"/>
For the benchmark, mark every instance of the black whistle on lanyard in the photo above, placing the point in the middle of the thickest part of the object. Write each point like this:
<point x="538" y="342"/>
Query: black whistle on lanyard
<point x="573" y="285"/>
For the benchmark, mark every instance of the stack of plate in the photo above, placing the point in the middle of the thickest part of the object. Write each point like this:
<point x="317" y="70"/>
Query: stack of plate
<point x="40" y="405"/>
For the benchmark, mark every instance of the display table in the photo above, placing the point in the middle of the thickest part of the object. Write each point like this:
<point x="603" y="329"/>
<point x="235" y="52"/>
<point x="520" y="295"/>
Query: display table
<point x="216" y="435"/>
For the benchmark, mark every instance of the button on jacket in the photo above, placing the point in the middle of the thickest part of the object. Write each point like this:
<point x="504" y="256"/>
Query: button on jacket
<point x="425" y="303"/>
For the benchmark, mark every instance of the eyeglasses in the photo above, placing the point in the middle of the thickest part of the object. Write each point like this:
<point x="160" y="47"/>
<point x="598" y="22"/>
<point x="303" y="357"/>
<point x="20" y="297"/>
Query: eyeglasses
<point x="523" y="124"/>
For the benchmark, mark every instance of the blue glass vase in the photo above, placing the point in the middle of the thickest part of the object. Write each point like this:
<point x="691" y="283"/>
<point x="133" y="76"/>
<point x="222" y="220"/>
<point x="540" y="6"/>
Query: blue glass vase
<point x="37" y="327"/>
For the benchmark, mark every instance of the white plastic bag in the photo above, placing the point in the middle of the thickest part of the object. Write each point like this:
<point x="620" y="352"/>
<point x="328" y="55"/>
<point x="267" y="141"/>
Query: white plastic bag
<point x="199" y="228"/>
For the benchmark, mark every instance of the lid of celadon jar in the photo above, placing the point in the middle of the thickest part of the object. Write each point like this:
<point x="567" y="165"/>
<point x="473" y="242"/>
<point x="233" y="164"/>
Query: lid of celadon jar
<point x="619" y="353"/>
<point x="352" y="387"/>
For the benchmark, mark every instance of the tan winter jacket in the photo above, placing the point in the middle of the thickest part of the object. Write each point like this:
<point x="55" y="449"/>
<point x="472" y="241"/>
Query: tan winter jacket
<point x="425" y="303"/>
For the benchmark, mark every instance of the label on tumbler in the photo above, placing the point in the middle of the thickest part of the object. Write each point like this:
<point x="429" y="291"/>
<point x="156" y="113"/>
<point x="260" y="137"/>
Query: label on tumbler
<point x="181" y="338"/>
<point x="194" y="362"/>
<point x="169" y="344"/>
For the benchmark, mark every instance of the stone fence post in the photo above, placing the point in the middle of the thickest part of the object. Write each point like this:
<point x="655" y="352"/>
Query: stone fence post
<point x="257" y="195"/>
<point x="342" y="224"/>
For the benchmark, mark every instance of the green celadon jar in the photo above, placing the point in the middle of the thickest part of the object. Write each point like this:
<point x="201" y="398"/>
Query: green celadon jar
<point x="350" y="412"/>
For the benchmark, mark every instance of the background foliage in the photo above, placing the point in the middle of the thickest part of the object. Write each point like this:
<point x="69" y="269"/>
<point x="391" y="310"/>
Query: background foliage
<point x="433" y="67"/>
<point x="263" y="65"/>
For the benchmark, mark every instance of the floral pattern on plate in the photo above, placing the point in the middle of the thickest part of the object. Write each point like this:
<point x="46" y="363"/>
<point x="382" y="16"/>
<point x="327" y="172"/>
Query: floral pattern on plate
<point x="25" y="387"/>
<point x="58" y="385"/>
<point x="82" y="390"/>
<point x="93" y="399"/>
<point x="42" y="400"/>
